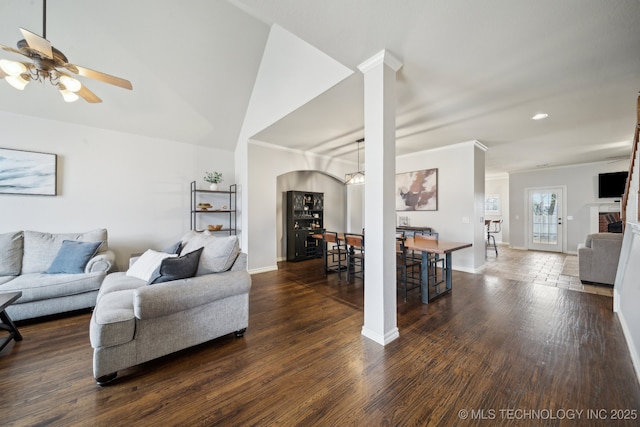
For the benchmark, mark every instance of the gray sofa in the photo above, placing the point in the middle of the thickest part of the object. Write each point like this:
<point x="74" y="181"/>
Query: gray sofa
<point x="598" y="258"/>
<point x="136" y="320"/>
<point x="27" y="261"/>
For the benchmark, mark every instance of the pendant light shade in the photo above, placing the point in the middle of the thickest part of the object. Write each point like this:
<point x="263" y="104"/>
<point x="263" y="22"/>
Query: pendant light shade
<point x="357" y="177"/>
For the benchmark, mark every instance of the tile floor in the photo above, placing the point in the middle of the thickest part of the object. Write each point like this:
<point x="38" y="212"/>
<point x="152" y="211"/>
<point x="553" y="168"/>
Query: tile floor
<point x="542" y="268"/>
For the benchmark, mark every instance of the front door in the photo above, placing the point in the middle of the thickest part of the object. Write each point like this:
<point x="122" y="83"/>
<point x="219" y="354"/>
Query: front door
<point x="545" y="231"/>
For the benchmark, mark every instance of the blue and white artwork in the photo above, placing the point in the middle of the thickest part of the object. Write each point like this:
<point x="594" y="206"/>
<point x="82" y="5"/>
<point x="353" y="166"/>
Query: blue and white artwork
<point x="27" y="172"/>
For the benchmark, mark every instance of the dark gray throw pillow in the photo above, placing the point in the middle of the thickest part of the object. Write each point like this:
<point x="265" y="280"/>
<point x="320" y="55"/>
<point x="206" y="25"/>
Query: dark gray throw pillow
<point x="73" y="257"/>
<point x="182" y="267"/>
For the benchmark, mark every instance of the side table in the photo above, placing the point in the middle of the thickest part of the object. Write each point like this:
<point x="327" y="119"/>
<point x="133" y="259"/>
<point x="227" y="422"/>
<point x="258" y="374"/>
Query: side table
<point x="6" y="299"/>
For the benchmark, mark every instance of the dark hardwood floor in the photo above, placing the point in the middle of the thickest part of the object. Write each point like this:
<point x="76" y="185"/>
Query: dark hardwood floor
<point x="497" y="351"/>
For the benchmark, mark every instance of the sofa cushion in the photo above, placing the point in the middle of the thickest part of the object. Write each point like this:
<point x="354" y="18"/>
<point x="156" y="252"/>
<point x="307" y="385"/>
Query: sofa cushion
<point x="11" y="245"/>
<point x="5" y="279"/>
<point x="182" y="267"/>
<point x="41" y="286"/>
<point x="72" y="257"/>
<point x="147" y="264"/>
<point x="41" y="248"/>
<point x="219" y="252"/>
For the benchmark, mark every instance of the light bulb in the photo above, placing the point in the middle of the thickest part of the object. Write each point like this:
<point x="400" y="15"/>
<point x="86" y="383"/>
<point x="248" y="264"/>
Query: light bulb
<point x="12" y="68"/>
<point x="19" y="81"/>
<point x="68" y="95"/>
<point x="70" y="83"/>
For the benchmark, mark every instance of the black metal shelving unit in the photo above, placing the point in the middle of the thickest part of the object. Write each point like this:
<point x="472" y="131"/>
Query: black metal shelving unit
<point x="215" y="197"/>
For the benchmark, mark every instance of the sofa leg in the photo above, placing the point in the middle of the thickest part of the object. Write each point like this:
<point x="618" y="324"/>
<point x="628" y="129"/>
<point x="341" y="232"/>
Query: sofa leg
<point x="240" y="333"/>
<point x="106" y="379"/>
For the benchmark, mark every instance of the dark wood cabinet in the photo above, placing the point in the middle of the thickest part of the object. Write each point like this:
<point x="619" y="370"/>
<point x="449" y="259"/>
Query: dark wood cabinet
<point x="305" y="211"/>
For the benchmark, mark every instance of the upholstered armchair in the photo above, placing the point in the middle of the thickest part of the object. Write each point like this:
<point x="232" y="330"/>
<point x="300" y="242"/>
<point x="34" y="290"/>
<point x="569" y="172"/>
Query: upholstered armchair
<point x="598" y="258"/>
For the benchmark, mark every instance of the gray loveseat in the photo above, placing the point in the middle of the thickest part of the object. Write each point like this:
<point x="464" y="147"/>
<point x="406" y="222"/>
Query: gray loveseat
<point x="598" y="258"/>
<point x="27" y="265"/>
<point x="136" y="319"/>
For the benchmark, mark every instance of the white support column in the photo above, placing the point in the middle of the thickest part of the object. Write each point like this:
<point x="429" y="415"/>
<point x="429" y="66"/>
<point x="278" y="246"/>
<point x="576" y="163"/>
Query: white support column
<point x="380" y="317"/>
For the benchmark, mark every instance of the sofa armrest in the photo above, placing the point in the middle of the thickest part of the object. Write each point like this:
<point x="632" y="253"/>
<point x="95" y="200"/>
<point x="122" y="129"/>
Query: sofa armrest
<point x="585" y="255"/>
<point x="171" y="297"/>
<point x="104" y="262"/>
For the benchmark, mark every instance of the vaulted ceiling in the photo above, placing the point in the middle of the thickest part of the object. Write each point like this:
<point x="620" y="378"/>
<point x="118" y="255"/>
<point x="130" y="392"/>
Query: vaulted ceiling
<point x="471" y="71"/>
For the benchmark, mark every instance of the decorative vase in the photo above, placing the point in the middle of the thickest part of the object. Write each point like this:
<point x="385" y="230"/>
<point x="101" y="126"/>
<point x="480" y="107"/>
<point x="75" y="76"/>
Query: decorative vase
<point x="213" y="187"/>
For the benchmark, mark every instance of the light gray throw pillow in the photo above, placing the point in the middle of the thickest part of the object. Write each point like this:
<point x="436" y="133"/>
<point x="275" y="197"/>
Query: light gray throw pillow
<point x="11" y="245"/>
<point x="218" y="255"/>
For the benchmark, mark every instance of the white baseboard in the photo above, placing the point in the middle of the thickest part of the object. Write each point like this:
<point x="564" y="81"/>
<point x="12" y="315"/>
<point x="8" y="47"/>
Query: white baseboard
<point x="380" y="339"/>
<point x="630" y="344"/>
<point x="263" y="269"/>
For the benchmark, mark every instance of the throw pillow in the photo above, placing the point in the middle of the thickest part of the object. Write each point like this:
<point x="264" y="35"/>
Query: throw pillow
<point x="73" y="257"/>
<point x="173" y="249"/>
<point x="148" y="262"/>
<point x="11" y="245"/>
<point x="219" y="252"/>
<point x="182" y="267"/>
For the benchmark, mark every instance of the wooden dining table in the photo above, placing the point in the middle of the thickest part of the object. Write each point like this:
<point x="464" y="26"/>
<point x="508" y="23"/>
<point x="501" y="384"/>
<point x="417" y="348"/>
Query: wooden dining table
<point x="434" y="247"/>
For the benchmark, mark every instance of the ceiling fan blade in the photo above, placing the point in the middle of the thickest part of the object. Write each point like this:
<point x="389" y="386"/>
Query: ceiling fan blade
<point x="10" y="49"/>
<point x="88" y="96"/>
<point x="3" y="74"/>
<point x="97" y="75"/>
<point x="37" y="43"/>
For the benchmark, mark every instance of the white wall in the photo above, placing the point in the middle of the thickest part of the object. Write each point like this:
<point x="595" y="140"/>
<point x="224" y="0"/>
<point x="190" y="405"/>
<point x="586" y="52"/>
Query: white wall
<point x="581" y="182"/>
<point x="292" y="72"/>
<point x="265" y="164"/>
<point x="459" y="217"/>
<point x="135" y="187"/>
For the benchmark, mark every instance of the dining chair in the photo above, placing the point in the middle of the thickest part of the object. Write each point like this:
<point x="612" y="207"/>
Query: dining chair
<point x="434" y="262"/>
<point x="334" y="254"/>
<point x="494" y="227"/>
<point x="355" y="255"/>
<point x="434" y="236"/>
<point x="408" y="269"/>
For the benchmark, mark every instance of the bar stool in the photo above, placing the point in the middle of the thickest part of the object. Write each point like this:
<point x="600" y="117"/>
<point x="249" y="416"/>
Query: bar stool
<point x="434" y="263"/>
<point x="335" y="253"/>
<point x="355" y="255"/>
<point x="494" y="227"/>
<point x="409" y="269"/>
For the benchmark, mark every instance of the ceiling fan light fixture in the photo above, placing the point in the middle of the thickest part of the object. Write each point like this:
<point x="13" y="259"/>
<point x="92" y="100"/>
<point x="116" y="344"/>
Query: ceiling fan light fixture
<point x="68" y="96"/>
<point x="12" y="68"/>
<point x="19" y="81"/>
<point x="70" y="83"/>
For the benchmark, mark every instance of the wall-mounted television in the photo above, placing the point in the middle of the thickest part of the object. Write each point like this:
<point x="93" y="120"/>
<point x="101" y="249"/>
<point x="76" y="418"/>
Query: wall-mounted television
<point x="611" y="184"/>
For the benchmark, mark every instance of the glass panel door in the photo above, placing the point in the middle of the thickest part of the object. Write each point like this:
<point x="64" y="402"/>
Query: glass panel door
<point x="545" y="219"/>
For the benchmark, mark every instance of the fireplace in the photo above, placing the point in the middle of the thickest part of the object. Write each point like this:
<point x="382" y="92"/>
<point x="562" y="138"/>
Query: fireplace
<point x="609" y="222"/>
<point x="601" y="214"/>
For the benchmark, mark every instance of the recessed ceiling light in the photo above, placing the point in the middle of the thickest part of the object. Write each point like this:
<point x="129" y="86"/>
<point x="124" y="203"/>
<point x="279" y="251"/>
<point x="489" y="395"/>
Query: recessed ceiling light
<point x="540" y="116"/>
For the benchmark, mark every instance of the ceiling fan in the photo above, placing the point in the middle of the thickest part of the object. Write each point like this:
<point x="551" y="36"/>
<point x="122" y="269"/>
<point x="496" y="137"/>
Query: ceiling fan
<point x="48" y="63"/>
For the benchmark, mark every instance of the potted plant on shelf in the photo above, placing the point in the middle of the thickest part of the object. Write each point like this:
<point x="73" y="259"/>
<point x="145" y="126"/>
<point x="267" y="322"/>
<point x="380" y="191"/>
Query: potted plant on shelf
<point x="213" y="178"/>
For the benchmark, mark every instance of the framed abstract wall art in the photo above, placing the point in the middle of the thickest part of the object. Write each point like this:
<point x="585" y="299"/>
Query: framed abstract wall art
<point x="27" y="172"/>
<point x="417" y="191"/>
